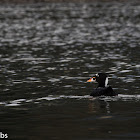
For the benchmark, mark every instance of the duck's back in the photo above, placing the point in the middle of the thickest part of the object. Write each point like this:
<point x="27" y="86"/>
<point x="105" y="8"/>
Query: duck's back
<point x="103" y="91"/>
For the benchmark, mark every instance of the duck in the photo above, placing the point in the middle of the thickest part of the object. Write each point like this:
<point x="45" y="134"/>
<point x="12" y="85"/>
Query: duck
<point x="103" y="89"/>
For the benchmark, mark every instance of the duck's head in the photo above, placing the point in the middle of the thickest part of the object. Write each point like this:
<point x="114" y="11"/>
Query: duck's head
<point x="100" y="78"/>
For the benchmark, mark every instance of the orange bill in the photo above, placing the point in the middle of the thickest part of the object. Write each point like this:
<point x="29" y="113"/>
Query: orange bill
<point x="90" y="80"/>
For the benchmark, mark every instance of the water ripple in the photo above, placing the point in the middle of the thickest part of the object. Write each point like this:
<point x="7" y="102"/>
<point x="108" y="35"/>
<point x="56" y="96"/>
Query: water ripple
<point x="120" y="97"/>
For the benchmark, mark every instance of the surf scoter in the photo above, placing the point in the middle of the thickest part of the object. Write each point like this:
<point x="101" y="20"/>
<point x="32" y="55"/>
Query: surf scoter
<point x="103" y="89"/>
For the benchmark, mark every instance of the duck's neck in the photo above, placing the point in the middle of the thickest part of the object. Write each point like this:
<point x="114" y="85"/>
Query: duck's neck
<point x="104" y="83"/>
<point x="101" y="85"/>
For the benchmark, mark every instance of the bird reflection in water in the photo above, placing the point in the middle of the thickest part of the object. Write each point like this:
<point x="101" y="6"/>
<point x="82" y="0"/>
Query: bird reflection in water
<point x="96" y="105"/>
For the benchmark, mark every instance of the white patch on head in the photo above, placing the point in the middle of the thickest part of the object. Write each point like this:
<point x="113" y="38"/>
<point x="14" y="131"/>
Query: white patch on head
<point x="97" y="75"/>
<point x="106" y="81"/>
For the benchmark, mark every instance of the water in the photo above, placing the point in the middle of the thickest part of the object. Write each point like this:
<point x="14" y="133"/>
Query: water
<point x="49" y="50"/>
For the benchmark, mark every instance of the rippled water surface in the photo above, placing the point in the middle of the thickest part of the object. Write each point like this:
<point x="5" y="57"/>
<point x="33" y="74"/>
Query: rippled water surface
<point x="49" y="50"/>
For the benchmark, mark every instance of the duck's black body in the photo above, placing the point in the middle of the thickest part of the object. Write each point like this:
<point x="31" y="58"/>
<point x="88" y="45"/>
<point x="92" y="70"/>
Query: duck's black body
<point x="103" y="89"/>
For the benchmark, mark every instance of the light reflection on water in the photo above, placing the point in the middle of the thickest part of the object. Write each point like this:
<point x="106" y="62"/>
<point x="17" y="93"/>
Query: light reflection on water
<point x="120" y="97"/>
<point x="48" y="51"/>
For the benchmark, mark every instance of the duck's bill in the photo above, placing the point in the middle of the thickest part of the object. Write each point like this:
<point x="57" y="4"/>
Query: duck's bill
<point x="90" y="80"/>
<point x="93" y="79"/>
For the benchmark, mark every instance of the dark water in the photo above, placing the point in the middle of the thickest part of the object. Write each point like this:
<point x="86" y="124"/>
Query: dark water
<point x="48" y="51"/>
